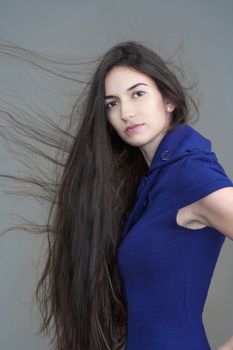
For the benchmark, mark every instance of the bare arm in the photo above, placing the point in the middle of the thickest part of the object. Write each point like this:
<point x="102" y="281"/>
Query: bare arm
<point x="228" y="345"/>
<point x="217" y="210"/>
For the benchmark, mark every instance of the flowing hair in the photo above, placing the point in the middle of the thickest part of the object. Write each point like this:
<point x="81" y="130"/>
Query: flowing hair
<point x="89" y="192"/>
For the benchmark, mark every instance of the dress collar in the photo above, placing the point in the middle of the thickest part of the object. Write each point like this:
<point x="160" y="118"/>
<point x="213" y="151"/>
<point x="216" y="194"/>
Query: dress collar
<point x="176" y="143"/>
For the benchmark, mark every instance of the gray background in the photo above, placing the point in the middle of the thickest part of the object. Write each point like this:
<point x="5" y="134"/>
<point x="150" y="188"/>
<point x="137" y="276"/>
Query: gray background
<point x="88" y="29"/>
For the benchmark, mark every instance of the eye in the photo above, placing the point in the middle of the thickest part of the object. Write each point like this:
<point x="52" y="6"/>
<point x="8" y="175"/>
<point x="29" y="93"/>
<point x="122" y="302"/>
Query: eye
<point x="109" y="105"/>
<point x="140" y="91"/>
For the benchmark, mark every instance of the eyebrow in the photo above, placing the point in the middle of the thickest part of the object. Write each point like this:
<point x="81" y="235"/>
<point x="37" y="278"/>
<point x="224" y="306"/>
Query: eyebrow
<point x="130" y="88"/>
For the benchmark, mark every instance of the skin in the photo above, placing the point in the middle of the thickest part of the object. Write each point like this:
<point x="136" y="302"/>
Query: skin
<point x="228" y="345"/>
<point x="145" y="104"/>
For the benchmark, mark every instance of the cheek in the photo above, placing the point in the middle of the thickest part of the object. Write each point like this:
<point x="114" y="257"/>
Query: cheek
<point x="108" y="118"/>
<point x="159" y="113"/>
<point x="110" y="121"/>
<point x="157" y="106"/>
<point x="113" y="121"/>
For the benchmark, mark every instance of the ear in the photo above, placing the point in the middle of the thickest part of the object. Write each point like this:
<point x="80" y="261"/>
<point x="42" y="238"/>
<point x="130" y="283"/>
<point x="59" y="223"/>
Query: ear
<point x="169" y="106"/>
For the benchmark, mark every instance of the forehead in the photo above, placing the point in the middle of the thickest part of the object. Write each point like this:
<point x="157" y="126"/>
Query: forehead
<point x="123" y="76"/>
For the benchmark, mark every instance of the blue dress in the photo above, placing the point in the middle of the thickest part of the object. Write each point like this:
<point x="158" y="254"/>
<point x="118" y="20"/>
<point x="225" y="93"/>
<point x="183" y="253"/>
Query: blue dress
<point x="166" y="269"/>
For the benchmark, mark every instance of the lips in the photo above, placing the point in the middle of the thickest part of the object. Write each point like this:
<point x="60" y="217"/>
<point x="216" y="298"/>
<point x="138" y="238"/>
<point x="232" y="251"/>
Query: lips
<point x="134" y="126"/>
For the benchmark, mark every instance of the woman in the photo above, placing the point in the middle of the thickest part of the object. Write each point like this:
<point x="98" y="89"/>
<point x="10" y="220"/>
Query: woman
<point x="140" y="214"/>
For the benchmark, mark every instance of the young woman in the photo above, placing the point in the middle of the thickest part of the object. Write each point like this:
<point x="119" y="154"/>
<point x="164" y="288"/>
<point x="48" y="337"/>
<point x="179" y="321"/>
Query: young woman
<point x="140" y="214"/>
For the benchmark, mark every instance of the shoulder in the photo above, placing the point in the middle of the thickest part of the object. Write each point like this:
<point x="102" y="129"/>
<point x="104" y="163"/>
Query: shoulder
<point x="201" y="169"/>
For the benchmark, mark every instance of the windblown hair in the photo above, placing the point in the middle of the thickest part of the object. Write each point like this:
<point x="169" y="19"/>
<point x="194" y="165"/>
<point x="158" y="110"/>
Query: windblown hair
<point x="80" y="293"/>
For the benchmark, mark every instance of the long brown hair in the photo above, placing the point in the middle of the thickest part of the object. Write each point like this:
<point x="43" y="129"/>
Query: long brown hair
<point x="80" y="293"/>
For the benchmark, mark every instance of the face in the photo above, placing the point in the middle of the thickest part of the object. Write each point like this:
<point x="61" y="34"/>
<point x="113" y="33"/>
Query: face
<point x="133" y="99"/>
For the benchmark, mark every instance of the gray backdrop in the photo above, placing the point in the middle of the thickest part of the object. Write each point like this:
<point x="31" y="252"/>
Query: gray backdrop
<point x="89" y="28"/>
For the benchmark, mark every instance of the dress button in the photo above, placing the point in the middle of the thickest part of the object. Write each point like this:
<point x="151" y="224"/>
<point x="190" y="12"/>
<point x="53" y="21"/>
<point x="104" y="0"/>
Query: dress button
<point x="145" y="203"/>
<point x="165" y="155"/>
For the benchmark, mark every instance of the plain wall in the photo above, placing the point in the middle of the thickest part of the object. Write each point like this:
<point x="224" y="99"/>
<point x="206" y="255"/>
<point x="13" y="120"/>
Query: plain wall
<point x="205" y="27"/>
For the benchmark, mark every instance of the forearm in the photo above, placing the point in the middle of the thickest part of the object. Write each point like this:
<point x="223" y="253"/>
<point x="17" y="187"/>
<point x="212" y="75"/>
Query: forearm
<point x="228" y="345"/>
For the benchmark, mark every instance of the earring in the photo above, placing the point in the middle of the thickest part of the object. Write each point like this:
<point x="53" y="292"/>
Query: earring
<point x="168" y="109"/>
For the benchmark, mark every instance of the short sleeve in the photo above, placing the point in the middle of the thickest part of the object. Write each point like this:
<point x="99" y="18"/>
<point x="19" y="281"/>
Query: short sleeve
<point x="199" y="174"/>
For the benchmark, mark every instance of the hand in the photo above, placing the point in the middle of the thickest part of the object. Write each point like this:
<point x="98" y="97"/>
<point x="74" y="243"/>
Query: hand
<point x="228" y="345"/>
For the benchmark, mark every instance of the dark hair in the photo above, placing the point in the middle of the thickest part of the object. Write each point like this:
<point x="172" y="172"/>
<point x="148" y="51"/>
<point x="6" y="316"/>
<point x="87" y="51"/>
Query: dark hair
<point x="80" y="292"/>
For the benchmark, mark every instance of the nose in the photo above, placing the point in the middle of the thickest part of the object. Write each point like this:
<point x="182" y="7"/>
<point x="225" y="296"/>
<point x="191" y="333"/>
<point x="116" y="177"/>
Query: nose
<point x="127" y="111"/>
